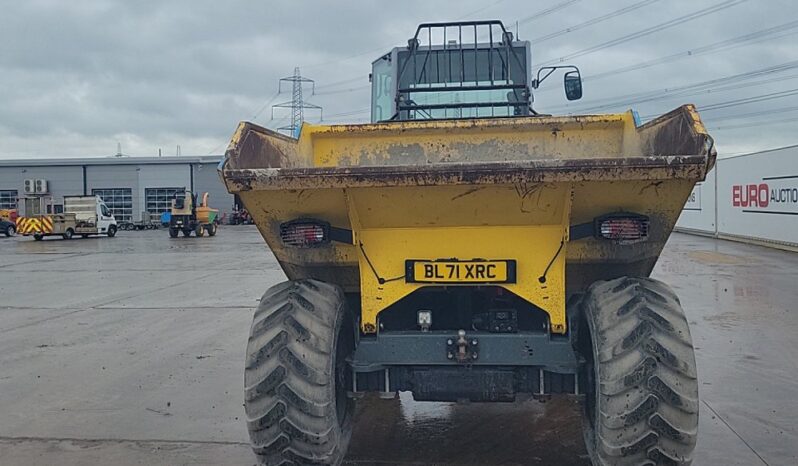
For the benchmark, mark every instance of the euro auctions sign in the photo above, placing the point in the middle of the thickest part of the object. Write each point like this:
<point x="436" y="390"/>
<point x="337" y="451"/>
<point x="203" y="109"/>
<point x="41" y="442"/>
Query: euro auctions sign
<point x="776" y="195"/>
<point x="750" y="197"/>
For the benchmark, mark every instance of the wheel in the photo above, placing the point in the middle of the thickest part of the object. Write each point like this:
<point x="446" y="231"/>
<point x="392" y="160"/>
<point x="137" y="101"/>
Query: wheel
<point x="200" y="230"/>
<point x="68" y="233"/>
<point x="296" y="376"/>
<point x="11" y="230"/>
<point x="212" y="229"/>
<point x="186" y="232"/>
<point x="112" y="231"/>
<point x="84" y="236"/>
<point x="173" y="232"/>
<point x="38" y="237"/>
<point x="641" y="403"/>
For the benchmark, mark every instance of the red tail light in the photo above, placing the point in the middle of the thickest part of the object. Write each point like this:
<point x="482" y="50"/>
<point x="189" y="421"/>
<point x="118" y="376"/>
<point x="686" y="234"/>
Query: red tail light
<point x="304" y="233"/>
<point x="623" y="229"/>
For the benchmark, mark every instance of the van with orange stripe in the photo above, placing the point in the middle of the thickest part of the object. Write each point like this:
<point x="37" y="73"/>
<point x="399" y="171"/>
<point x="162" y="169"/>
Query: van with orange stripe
<point x="82" y="215"/>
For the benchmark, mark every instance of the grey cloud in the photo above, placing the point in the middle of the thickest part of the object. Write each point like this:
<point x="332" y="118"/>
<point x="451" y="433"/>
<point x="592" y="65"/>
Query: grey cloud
<point x="78" y="76"/>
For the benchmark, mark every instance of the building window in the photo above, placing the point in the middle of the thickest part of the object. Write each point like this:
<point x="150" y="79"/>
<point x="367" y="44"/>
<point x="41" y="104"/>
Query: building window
<point x="159" y="200"/>
<point x="8" y="199"/>
<point x="119" y="200"/>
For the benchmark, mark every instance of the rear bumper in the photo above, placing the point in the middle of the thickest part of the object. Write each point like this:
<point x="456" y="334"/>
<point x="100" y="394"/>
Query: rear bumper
<point x="495" y="366"/>
<point x="413" y="348"/>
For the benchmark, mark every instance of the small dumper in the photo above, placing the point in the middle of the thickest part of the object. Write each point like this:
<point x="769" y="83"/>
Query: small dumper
<point x="464" y="247"/>
<point x="188" y="217"/>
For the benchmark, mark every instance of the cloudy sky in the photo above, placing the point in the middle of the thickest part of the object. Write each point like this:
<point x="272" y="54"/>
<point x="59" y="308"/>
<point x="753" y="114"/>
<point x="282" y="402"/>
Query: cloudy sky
<point x="76" y="78"/>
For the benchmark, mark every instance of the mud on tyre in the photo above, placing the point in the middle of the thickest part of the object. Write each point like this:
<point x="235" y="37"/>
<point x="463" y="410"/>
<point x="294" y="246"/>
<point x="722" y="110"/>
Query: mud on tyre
<point x="296" y="376"/>
<point x="641" y="403"/>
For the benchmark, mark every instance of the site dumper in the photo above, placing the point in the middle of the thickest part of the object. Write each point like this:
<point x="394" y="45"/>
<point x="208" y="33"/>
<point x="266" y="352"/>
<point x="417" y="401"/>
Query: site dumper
<point x="469" y="248"/>
<point x="187" y="216"/>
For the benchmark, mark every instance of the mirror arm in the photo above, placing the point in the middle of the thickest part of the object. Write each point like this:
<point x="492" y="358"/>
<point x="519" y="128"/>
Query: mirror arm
<point x="538" y="80"/>
<point x="549" y="70"/>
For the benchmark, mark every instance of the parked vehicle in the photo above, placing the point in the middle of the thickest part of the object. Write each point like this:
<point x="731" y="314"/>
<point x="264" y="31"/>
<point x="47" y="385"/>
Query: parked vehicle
<point x="8" y="228"/>
<point x="240" y="217"/>
<point x="148" y="222"/>
<point x="83" y="215"/>
<point x="464" y="247"/>
<point x="9" y="215"/>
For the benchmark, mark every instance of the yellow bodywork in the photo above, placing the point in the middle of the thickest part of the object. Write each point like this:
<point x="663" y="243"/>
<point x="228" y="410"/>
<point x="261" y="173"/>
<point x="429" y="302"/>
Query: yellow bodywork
<point x="486" y="189"/>
<point x="7" y="214"/>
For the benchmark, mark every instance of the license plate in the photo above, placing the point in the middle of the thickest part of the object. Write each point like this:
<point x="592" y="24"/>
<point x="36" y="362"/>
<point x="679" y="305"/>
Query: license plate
<point x="458" y="271"/>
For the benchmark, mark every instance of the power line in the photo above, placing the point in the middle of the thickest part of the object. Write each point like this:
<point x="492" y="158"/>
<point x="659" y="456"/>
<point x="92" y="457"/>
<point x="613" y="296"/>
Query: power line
<point x="736" y="116"/>
<point x="392" y="45"/>
<point x="265" y="104"/>
<point x="753" y="37"/>
<point x="649" y="96"/>
<point x="344" y="91"/>
<point x="650" y="30"/>
<point x="546" y="12"/>
<point x="750" y="125"/>
<point x="480" y="10"/>
<point x="593" y="21"/>
<point x="750" y="100"/>
<point x="771" y="33"/>
<point x="724" y="89"/>
<point x="339" y="83"/>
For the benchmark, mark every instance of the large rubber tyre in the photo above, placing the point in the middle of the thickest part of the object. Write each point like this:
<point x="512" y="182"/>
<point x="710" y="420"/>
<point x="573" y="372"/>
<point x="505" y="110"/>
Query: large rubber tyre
<point x="200" y="231"/>
<point x="38" y="237"/>
<point x="173" y="232"/>
<point x="212" y="229"/>
<point x="68" y="233"/>
<point x="296" y="376"/>
<point x="111" y="231"/>
<point x="11" y="230"/>
<point x="644" y="408"/>
<point x="187" y="232"/>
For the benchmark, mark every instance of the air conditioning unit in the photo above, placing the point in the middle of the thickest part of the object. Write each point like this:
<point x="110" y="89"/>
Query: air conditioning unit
<point x="30" y="186"/>
<point x="41" y="187"/>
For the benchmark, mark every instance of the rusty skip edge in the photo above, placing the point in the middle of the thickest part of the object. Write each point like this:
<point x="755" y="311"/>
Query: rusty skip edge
<point x="693" y="167"/>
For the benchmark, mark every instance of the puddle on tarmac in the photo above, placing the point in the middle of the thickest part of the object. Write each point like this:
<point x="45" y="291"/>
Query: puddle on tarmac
<point x="403" y="431"/>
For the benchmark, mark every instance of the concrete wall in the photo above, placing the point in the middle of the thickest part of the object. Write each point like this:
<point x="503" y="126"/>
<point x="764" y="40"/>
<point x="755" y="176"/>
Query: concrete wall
<point x="757" y="199"/>
<point x="68" y="179"/>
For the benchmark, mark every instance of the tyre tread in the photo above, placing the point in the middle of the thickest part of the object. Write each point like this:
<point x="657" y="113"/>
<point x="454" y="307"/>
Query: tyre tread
<point x="290" y="414"/>
<point x="648" y="390"/>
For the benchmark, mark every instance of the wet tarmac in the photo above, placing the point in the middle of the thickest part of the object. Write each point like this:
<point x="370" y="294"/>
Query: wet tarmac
<point x="129" y="351"/>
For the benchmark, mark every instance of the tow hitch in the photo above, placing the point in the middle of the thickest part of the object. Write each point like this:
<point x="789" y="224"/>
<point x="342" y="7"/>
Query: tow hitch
<point x="462" y="349"/>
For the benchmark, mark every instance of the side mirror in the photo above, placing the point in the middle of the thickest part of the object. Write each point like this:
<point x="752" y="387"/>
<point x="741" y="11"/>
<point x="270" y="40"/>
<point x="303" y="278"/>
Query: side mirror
<point x="573" y="85"/>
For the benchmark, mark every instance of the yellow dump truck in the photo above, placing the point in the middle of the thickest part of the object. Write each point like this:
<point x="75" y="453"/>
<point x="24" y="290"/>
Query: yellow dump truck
<point x="188" y="216"/>
<point x="464" y="247"/>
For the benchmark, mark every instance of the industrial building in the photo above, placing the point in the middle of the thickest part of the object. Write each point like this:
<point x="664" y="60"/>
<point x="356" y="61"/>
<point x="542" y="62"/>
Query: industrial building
<point x="128" y="185"/>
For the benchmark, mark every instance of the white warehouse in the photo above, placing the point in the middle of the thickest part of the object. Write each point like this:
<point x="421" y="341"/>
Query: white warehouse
<point x="128" y="185"/>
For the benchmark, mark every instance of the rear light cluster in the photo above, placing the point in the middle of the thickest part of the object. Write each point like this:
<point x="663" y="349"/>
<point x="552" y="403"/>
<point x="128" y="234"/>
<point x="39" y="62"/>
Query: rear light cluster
<point x="623" y="229"/>
<point x="304" y="234"/>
